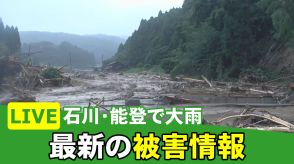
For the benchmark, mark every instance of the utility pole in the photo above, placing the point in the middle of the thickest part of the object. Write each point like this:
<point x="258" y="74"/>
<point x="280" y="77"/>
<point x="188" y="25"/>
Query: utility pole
<point x="102" y="58"/>
<point x="30" y="63"/>
<point x="29" y="55"/>
<point x="70" y="63"/>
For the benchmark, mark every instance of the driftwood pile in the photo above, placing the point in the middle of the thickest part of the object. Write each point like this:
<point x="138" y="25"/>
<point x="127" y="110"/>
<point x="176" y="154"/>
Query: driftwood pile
<point x="253" y="119"/>
<point x="17" y="80"/>
<point x="35" y="77"/>
<point x="267" y="92"/>
<point x="281" y="95"/>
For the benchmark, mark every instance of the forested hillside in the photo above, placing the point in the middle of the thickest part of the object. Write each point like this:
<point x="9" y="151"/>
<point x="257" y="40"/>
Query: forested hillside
<point x="9" y="40"/>
<point x="64" y="54"/>
<point x="218" y="38"/>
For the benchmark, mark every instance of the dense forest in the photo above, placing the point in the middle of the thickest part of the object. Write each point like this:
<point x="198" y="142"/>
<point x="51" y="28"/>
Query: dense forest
<point x="217" y="38"/>
<point x="9" y="40"/>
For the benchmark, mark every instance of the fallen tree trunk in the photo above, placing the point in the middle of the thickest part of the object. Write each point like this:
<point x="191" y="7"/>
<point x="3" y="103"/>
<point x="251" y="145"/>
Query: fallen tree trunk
<point x="259" y="91"/>
<point x="206" y="80"/>
<point x="176" y="100"/>
<point x="261" y="115"/>
<point x="241" y="105"/>
<point x="275" y="129"/>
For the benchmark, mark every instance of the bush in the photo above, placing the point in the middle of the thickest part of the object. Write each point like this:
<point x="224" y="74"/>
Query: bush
<point x="51" y="73"/>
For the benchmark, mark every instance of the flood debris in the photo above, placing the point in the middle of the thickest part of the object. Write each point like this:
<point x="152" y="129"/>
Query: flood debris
<point x="9" y="69"/>
<point x="206" y="80"/>
<point x="253" y="119"/>
<point x="18" y="80"/>
<point x="132" y="102"/>
<point x="174" y="99"/>
<point x="83" y="75"/>
<point x="98" y="103"/>
<point x="9" y="93"/>
<point x="114" y="67"/>
<point x="103" y="90"/>
<point x="52" y="77"/>
<point x="234" y="92"/>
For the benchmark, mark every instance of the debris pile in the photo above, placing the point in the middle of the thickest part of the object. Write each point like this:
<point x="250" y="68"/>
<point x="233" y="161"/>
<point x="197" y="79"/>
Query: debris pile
<point x="205" y="91"/>
<point x="218" y="98"/>
<point x="17" y="80"/>
<point x="114" y="67"/>
<point x="83" y="75"/>
<point x="53" y="77"/>
<point x="255" y="97"/>
<point x="253" y="119"/>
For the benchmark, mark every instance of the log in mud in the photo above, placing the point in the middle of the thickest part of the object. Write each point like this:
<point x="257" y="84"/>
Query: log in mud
<point x="219" y="101"/>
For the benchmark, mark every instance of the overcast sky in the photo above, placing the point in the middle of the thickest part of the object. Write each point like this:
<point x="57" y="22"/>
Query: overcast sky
<point x="112" y="17"/>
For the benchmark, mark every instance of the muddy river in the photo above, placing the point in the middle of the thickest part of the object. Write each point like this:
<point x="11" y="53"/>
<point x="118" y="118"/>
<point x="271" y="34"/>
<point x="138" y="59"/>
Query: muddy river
<point x="115" y="88"/>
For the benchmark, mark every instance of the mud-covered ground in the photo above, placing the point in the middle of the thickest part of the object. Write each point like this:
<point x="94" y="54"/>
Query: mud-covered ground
<point x="115" y="88"/>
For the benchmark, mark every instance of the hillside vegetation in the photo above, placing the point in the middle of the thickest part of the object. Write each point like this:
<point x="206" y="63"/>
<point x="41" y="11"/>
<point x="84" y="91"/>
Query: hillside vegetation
<point x="217" y="38"/>
<point x="9" y="40"/>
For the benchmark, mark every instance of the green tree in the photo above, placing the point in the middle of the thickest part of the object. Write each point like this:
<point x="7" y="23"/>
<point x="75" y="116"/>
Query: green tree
<point x="9" y="40"/>
<point x="217" y="38"/>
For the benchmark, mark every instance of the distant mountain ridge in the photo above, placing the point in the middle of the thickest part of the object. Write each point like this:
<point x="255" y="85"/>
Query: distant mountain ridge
<point x="63" y="54"/>
<point x="100" y="45"/>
